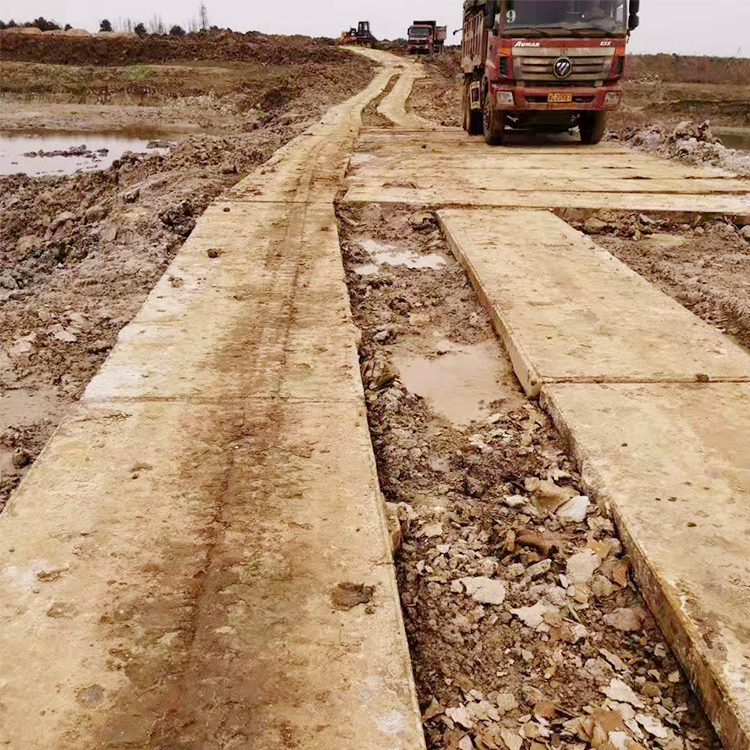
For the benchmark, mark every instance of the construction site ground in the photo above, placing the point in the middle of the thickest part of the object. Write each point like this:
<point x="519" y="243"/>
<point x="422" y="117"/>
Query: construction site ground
<point x="558" y="442"/>
<point x="80" y="252"/>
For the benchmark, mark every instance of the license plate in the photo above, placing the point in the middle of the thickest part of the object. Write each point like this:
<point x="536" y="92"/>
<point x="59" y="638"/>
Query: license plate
<point x="559" y="98"/>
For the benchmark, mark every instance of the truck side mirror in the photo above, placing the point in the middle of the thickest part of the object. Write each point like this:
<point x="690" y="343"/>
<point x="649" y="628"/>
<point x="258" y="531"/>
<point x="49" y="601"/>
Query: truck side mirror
<point x="490" y="11"/>
<point x="633" y="21"/>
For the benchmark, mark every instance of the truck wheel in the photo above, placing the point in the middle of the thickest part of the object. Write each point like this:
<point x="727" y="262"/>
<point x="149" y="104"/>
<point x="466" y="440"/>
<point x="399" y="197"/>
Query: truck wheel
<point x="592" y="126"/>
<point x="472" y="117"/>
<point x="494" y="124"/>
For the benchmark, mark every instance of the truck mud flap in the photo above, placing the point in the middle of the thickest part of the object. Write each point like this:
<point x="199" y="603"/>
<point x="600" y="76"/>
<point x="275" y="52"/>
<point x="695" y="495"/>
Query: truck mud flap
<point x="476" y="95"/>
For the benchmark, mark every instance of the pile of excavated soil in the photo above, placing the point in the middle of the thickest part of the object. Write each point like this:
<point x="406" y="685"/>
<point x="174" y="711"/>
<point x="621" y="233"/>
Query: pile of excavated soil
<point x="525" y="627"/>
<point x="79" y="254"/>
<point x="437" y="97"/>
<point x="704" y="265"/>
<point x="689" y="143"/>
<point x="155" y="48"/>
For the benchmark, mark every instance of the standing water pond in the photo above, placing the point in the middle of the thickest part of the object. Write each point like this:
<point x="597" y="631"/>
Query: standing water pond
<point x="38" y="153"/>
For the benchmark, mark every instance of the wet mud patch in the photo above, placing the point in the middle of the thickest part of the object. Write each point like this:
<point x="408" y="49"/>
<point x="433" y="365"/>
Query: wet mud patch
<point x="525" y="628"/>
<point x="370" y="115"/>
<point x="704" y="263"/>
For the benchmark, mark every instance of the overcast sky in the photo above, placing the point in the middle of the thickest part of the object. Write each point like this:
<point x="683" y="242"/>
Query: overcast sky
<point x="716" y="27"/>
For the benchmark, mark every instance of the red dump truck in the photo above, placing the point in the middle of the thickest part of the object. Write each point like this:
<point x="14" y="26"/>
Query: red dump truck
<point x="426" y="37"/>
<point x="544" y="65"/>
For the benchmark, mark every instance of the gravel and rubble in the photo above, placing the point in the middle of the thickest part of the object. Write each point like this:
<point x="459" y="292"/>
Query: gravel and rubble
<point x="704" y="264"/>
<point x="79" y="254"/>
<point x="81" y="150"/>
<point x="525" y="626"/>
<point x="690" y="143"/>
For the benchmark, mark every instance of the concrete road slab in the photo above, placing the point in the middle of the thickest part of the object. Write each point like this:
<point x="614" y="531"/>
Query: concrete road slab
<point x="705" y="205"/>
<point x="446" y="135"/>
<point x="448" y="168"/>
<point x="569" y="311"/>
<point x="269" y="315"/>
<point x="673" y="462"/>
<point x="199" y="556"/>
<point x="489" y="182"/>
<point x="188" y="587"/>
<point x="483" y="170"/>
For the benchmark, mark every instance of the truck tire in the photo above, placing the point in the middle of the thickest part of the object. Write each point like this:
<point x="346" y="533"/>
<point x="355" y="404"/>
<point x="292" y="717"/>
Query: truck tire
<point x="592" y="127"/>
<point x="472" y="117"/>
<point x="493" y="123"/>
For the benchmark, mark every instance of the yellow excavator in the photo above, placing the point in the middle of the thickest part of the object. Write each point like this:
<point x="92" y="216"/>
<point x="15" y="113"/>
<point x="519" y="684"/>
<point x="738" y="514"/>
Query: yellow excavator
<point x="360" y="37"/>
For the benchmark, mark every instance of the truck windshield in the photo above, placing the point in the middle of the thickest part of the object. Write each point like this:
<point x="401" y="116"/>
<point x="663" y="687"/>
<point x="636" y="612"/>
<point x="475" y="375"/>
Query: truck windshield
<point x="419" y="31"/>
<point x="576" y="17"/>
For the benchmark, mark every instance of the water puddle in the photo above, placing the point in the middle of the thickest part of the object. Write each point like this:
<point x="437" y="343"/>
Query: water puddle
<point x="388" y="255"/>
<point x="737" y="138"/>
<point x="44" y="153"/>
<point x="462" y="382"/>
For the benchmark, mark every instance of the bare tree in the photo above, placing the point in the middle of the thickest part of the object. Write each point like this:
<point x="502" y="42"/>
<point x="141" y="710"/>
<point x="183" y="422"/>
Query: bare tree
<point x="156" y="25"/>
<point x="193" y="26"/>
<point x="203" y="12"/>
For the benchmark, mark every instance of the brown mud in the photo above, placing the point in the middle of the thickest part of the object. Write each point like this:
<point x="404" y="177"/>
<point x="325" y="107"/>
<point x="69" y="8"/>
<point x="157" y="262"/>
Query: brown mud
<point x="370" y="115"/>
<point x="79" y="254"/>
<point x="438" y="96"/>
<point x="525" y="627"/>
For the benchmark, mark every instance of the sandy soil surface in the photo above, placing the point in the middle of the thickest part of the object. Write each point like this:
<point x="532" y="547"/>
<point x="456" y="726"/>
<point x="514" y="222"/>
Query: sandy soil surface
<point x="704" y="265"/>
<point x="523" y="621"/>
<point x="227" y="96"/>
<point x="79" y="254"/>
<point x="437" y="97"/>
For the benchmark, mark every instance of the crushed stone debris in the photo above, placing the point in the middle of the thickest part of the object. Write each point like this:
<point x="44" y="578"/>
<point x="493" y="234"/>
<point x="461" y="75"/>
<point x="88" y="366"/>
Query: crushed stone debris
<point x="541" y="668"/>
<point x="691" y="143"/>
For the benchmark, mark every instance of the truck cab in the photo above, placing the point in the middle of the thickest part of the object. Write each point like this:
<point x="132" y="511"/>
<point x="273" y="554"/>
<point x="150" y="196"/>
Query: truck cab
<point x="425" y="37"/>
<point x="545" y="65"/>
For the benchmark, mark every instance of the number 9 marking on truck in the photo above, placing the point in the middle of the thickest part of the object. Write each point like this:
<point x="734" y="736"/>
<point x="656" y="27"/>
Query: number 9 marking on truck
<point x="511" y="16"/>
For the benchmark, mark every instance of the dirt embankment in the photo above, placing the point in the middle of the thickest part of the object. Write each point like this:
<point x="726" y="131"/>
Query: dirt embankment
<point x="79" y="254"/>
<point x="524" y="625"/>
<point x="668" y="89"/>
<point x="437" y="97"/>
<point x="160" y="49"/>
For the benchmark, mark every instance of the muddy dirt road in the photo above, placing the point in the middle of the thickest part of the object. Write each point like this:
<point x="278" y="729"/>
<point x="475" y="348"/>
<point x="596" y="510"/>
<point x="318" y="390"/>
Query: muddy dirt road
<point x="80" y="252"/>
<point x="235" y="408"/>
<point x="238" y="552"/>
<point x="455" y="485"/>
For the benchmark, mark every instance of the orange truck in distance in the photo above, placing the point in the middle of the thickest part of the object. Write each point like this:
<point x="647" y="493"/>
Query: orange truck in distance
<point x="544" y="65"/>
<point x="426" y="37"/>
